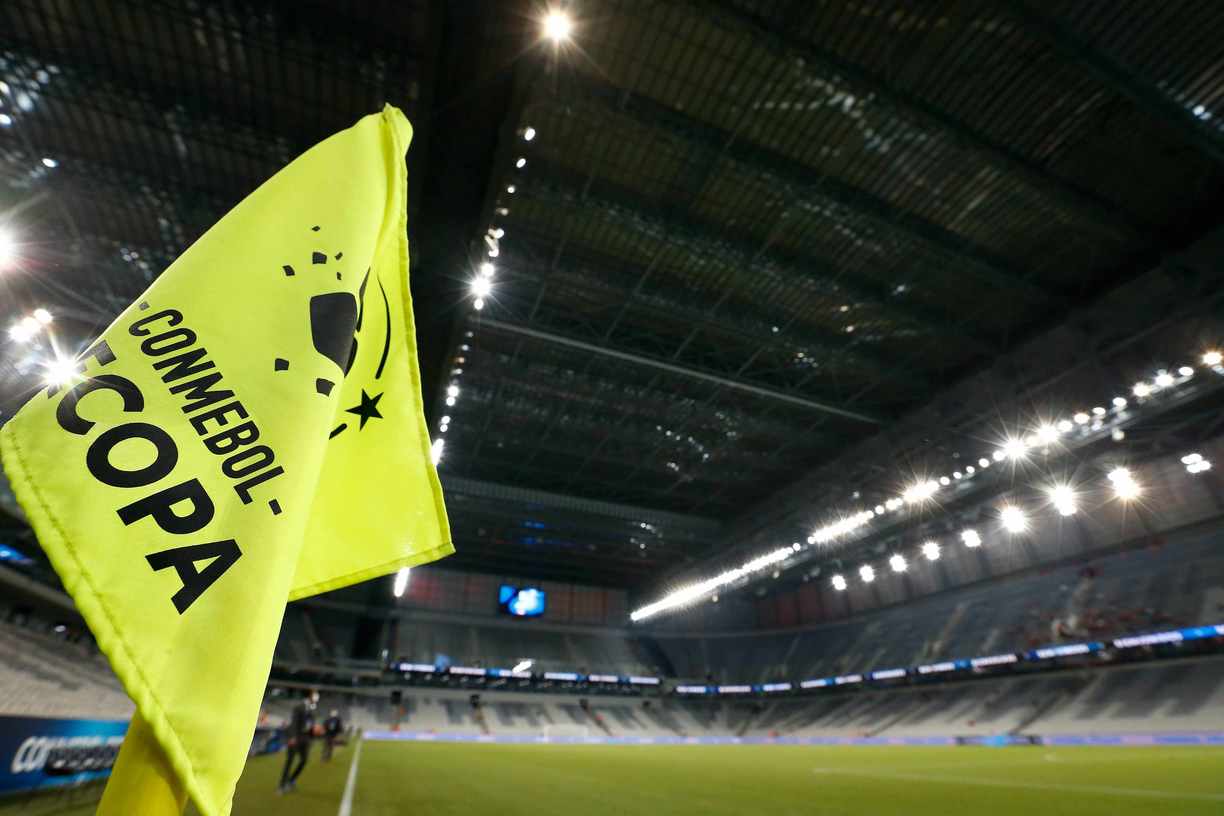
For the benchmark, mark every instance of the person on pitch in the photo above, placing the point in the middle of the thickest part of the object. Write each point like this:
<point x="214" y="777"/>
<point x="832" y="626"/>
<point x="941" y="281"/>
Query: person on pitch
<point x="299" y="731"/>
<point x="332" y="727"/>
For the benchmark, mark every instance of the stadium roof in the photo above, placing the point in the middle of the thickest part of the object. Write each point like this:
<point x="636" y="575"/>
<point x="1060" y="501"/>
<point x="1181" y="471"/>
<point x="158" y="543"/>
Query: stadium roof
<point x="754" y="256"/>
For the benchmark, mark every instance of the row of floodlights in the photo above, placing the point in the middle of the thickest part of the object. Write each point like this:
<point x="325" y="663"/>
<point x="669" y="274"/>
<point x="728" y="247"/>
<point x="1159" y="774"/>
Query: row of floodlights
<point x="1012" y="518"/>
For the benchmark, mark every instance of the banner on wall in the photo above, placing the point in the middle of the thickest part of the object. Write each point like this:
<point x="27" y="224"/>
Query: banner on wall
<point x="36" y="752"/>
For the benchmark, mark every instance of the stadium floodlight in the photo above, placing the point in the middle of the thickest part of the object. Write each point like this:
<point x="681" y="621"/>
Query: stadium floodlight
<point x="557" y="26"/>
<point x="956" y="474"/>
<point x="529" y="133"/>
<point x="701" y="589"/>
<point x="1065" y="426"/>
<point x="1048" y="433"/>
<point x="1081" y="418"/>
<point x="481" y="286"/>
<point x="931" y="550"/>
<point x="1013" y="448"/>
<point x="1212" y="358"/>
<point x="60" y="371"/>
<point x="487" y="269"/>
<point x="452" y="391"/>
<point x="839" y="583"/>
<point x="1164" y="379"/>
<point x="1063" y="498"/>
<point x="1124" y="484"/>
<point x="867" y="573"/>
<point x="898" y="564"/>
<point x="1098" y="411"/>
<point x="435" y="451"/>
<point x="401" y="582"/>
<point x="1186" y="371"/>
<point x="970" y="470"/>
<point x="1119" y="402"/>
<point x="522" y="666"/>
<point x="1195" y="463"/>
<point x="920" y="491"/>
<point x="998" y="456"/>
<point x="1013" y="519"/>
<point x="1141" y="389"/>
<point x="971" y="538"/>
<point x="42" y="316"/>
<point x="983" y="462"/>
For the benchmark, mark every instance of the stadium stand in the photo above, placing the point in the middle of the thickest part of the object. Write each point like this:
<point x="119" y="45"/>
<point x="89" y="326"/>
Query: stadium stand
<point x="47" y="676"/>
<point x="1181" y="696"/>
<point x="1177" y="584"/>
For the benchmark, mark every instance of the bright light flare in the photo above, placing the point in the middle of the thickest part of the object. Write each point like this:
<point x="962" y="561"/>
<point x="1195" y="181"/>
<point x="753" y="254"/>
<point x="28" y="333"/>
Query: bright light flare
<point x="898" y="564"/>
<point x="1063" y="498"/>
<point x="867" y="573"/>
<point x="522" y="666"/>
<point x="42" y="316"/>
<point x="839" y="583"/>
<point x="971" y="538"/>
<point x="920" y="492"/>
<point x="558" y="26"/>
<point x="1048" y="433"/>
<point x="1013" y="519"/>
<point x="1013" y="449"/>
<point x="701" y="589"/>
<point x="930" y="549"/>
<point x="401" y="582"/>
<point x="481" y="286"/>
<point x="1212" y="358"/>
<point x="1124" y="484"/>
<point x="1141" y="389"/>
<point x="60" y="371"/>
<point x="8" y="248"/>
<point x="435" y="451"/>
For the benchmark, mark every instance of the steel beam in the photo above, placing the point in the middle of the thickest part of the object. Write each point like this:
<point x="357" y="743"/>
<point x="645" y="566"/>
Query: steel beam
<point x="695" y="314"/>
<point x="681" y="371"/>
<point x="1119" y="79"/>
<point x="556" y="186"/>
<point x="699" y="525"/>
<point x="805" y="182"/>
<point x="1102" y="210"/>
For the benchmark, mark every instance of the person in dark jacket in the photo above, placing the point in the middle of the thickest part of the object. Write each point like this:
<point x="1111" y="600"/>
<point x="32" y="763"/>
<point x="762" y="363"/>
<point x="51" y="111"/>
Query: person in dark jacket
<point x="332" y="727"/>
<point x="301" y="724"/>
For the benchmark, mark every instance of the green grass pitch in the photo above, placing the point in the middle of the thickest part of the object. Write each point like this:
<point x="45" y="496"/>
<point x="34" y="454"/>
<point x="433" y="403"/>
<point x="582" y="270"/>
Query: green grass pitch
<point x="592" y="780"/>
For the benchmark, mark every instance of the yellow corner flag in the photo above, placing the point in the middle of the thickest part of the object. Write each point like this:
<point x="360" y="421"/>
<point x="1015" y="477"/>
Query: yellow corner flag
<point x="248" y="432"/>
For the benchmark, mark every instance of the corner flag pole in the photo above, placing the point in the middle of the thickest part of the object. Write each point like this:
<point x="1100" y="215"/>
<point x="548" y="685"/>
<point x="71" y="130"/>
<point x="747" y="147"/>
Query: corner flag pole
<point x="142" y="780"/>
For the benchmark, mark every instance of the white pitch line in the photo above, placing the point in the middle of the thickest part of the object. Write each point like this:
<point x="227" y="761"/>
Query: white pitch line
<point x="346" y="804"/>
<point x="1006" y="783"/>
